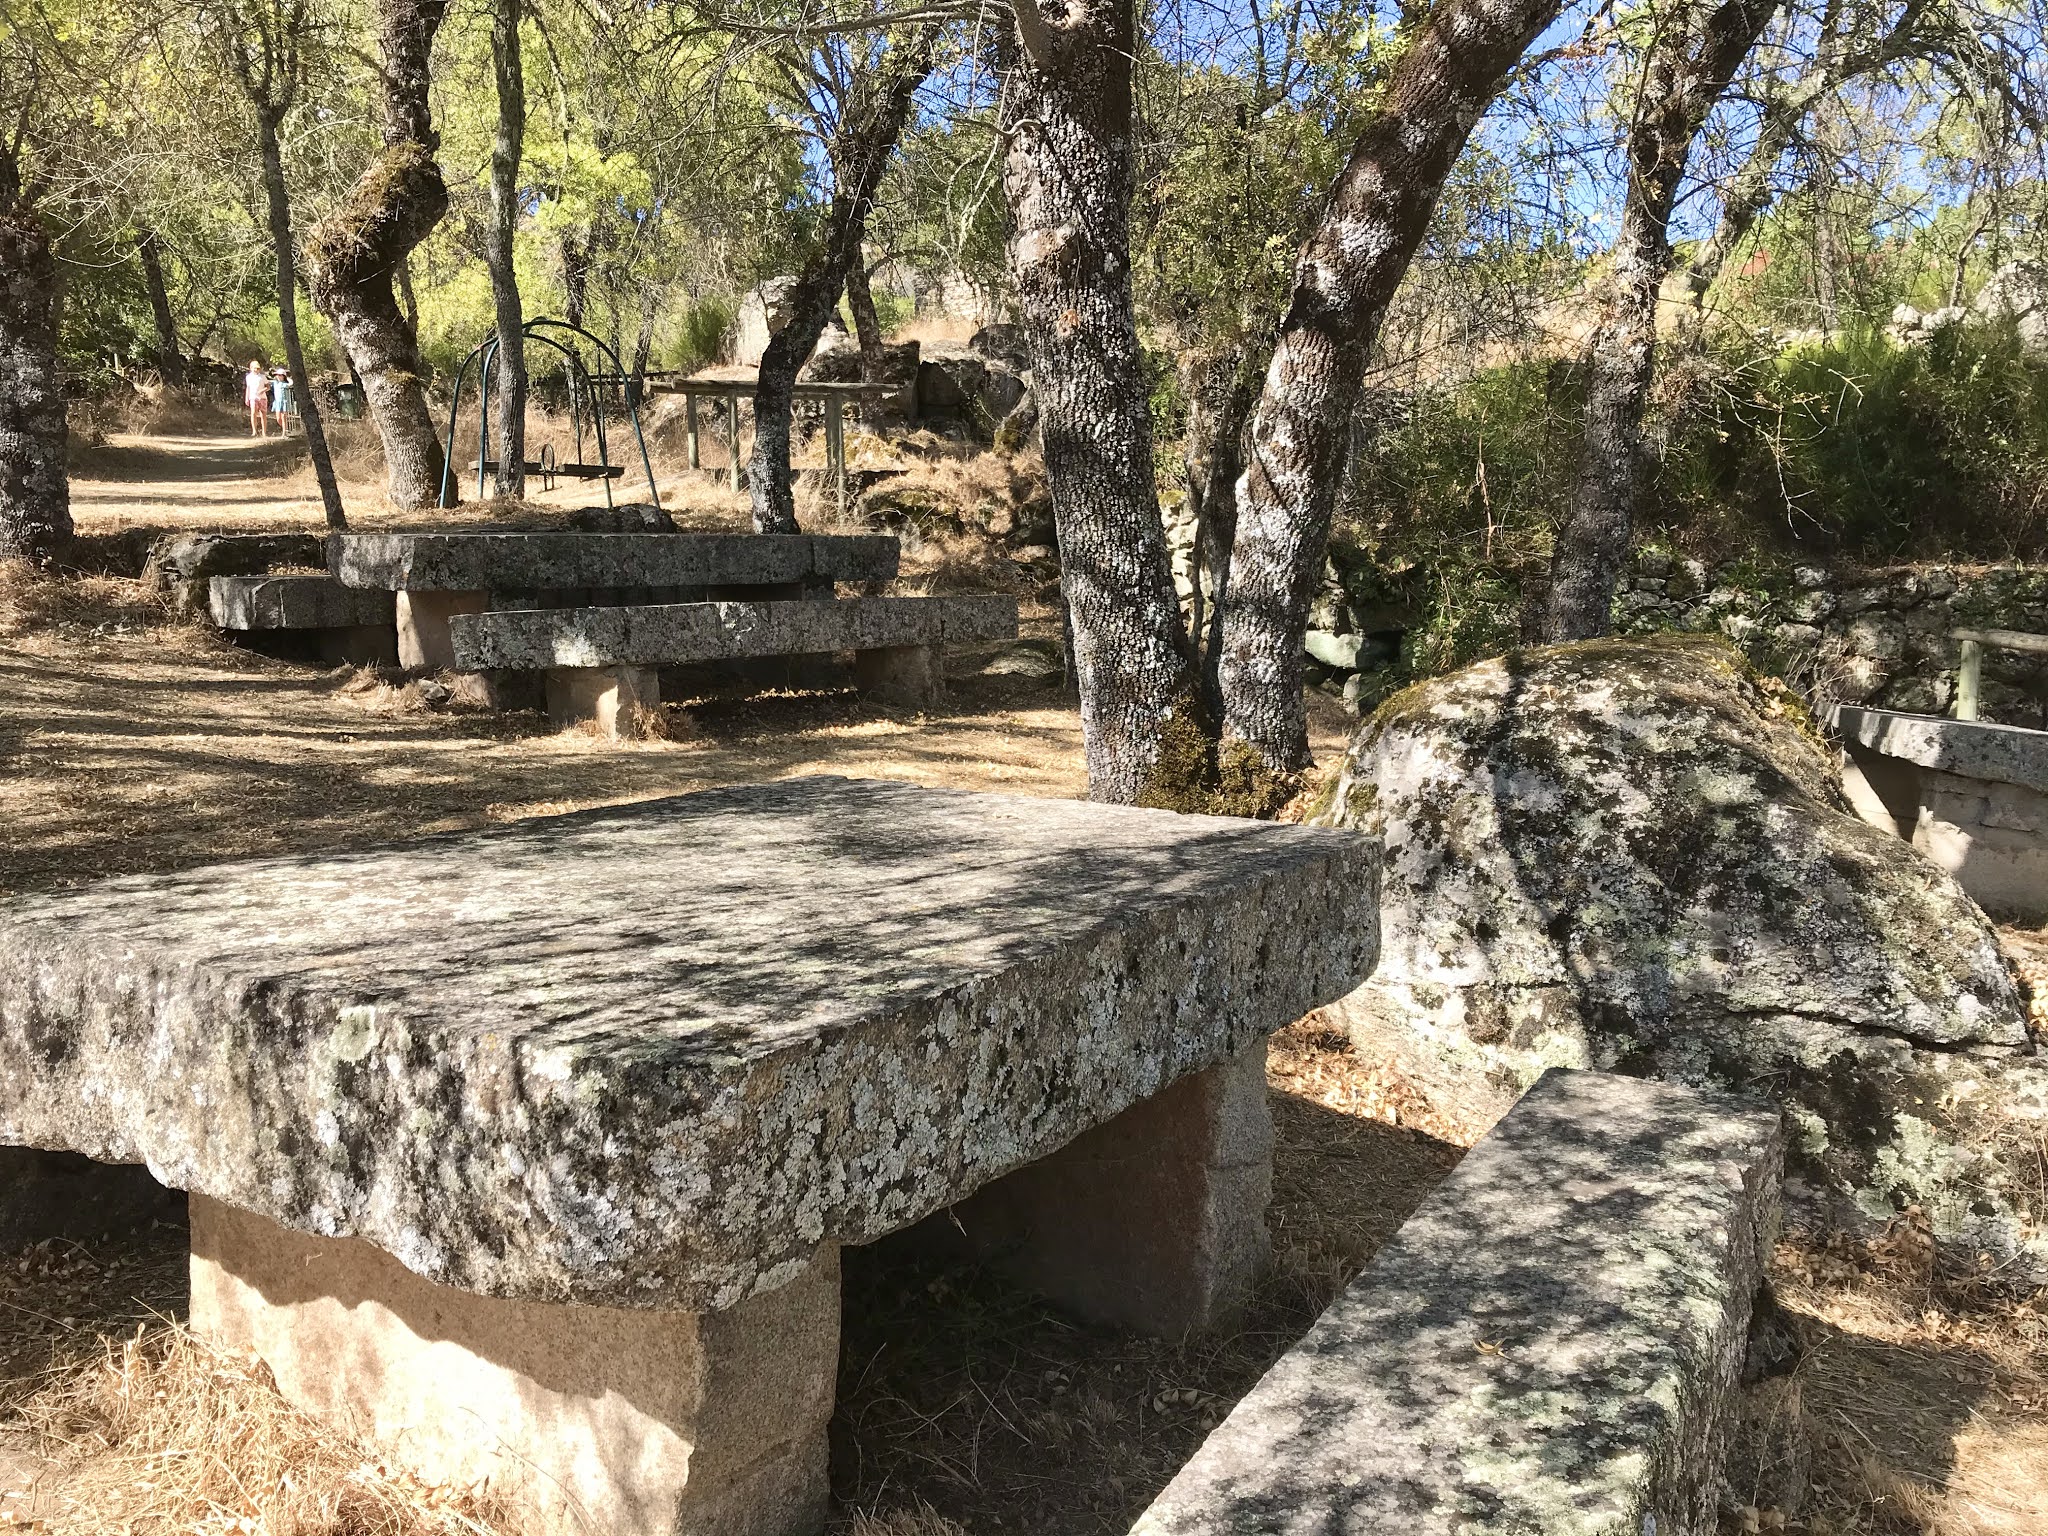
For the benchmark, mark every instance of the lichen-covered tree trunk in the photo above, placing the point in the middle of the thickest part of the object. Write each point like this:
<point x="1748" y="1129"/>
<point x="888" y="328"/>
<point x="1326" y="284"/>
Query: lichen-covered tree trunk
<point x="1689" y="66"/>
<point x="35" y="489"/>
<point x="170" y="361"/>
<point x="1068" y="177"/>
<point x="867" y="328"/>
<point x="869" y="127"/>
<point x="354" y="254"/>
<point x="1345" y="277"/>
<point x="268" y="120"/>
<point x="506" y="146"/>
<point x="1221" y="389"/>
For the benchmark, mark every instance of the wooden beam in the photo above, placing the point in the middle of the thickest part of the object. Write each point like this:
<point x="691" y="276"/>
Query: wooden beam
<point x="2003" y="640"/>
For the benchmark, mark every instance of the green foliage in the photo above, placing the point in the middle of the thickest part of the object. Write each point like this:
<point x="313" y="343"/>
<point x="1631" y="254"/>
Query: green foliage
<point x="695" y="333"/>
<point x="1866" y="447"/>
<point x="1233" y="169"/>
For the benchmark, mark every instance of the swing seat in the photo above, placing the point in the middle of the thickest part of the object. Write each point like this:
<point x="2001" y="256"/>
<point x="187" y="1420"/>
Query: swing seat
<point x="531" y="466"/>
<point x="590" y="471"/>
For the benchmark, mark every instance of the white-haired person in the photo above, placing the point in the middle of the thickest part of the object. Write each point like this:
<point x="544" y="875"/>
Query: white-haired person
<point x="256" y="395"/>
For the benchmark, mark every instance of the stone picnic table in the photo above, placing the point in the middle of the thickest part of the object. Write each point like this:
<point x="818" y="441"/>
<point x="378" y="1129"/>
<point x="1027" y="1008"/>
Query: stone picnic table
<point x="531" y="1150"/>
<point x="438" y="576"/>
<point x="599" y="614"/>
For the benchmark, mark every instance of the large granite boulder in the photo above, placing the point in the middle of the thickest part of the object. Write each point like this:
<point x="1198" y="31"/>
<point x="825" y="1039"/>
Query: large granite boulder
<point x="1634" y="855"/>
<point x="183" y="564"/>
<point x="957" y="384"/>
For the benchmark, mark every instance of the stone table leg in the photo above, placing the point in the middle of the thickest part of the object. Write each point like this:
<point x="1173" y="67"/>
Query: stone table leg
<point x="1156" y="1221"/>
<point x="900" y="674"/>
<point x="424" y="642"/>
<point x="620" y="703"/>
<point x="633" y="1423"/>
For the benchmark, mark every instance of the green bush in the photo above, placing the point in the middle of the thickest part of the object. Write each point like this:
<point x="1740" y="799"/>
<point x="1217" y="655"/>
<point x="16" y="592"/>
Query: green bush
<point x="1864" y="448"/>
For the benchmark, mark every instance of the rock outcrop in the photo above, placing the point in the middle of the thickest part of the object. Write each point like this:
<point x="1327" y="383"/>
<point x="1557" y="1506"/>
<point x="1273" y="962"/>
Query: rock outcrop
<point x="1632" y="854"/>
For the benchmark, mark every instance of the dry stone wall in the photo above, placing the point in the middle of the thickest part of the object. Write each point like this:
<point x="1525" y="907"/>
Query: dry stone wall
<point x="1856" y="636"/>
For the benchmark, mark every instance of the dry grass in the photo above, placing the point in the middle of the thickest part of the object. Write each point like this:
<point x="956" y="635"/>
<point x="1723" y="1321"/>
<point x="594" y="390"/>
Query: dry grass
<point x="1925" y="1389"/>
<point x="74" y="607"/>
<point x="165" y="1436"/>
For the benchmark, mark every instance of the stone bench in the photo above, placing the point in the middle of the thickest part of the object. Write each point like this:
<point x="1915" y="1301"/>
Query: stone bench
<point x="531" y="1151"/>
<point x="1551" y="1344"/>
<point x="335" y="622"/>
<point x="601" y="663"/>
<point x="439" y="576"/>
<point x="1970" y="795"/>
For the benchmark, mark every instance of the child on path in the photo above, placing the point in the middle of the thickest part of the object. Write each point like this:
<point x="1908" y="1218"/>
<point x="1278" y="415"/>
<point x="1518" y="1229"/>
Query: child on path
<point x="256" y="395"/>
<point x="281" y="400"/>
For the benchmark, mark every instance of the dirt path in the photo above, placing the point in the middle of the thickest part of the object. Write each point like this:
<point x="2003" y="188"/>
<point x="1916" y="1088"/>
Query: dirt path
<point x="200" y="480"/>
<point x="168" y="748"/>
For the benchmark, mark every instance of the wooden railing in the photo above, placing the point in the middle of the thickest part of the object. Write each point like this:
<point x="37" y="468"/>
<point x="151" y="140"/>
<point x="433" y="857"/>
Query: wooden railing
<point x="1970" y="665"/>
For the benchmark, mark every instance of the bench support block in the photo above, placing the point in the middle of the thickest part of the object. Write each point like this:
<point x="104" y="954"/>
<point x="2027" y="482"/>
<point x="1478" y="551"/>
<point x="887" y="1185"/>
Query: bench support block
<point x="423" y="639"/>
<point x="1154" y="1222"/>
<point x="617" y="703"/>
<point x="634" y="1423"/>
<point x="900" y="674"/>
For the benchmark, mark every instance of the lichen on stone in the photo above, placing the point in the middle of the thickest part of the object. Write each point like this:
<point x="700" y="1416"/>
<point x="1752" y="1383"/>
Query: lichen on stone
<point x="1633" y="854"/>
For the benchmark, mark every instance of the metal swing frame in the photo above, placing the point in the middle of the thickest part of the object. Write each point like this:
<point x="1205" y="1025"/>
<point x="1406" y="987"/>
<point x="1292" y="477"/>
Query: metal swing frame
<point x="485" y="357"/>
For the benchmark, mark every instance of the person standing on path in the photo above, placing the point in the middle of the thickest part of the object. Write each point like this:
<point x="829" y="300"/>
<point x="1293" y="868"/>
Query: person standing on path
<point x="281" y="400"/>
<point x="256" y="395"/>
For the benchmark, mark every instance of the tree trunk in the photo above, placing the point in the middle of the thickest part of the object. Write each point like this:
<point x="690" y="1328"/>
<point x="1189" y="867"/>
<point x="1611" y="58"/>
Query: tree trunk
<point x="170" y="362"/>
<point x="1689" y="67"/>
<point x="869" y="127"/>
<point x="1222" y="388"/>
<point x="351" y="258"/>
<point x="409" y="305"/>
<point x="575" y="278"/>
<point x="1345" y="277"/>
<point x="1068" y="175"/>
<point x="506" y="146"/>
<point x="867" y="326"/>
<point x="267" y="124"/>
<point x="35" y="488"/>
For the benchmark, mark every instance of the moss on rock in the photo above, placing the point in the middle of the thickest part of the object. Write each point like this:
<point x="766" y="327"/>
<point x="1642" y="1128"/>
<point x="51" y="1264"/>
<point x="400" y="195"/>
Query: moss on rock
<point x="1633" y="854"/>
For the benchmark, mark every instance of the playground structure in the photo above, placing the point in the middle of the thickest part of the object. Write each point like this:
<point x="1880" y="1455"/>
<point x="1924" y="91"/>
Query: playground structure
<point x="582" y="394"/>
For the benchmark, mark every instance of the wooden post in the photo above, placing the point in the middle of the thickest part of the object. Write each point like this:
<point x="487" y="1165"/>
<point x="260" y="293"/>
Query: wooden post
<point x="835" y="448"/>
<point x="732" y="427"/>
<point x="690" y="429"/>
<point x="1969" y="679"/>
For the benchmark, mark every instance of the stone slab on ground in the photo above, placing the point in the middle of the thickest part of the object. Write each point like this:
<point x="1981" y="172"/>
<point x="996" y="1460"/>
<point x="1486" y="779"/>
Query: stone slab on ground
<point x="296" y="602"/>
<point x="656" y="1055"/>
<point x="1550" y="1344"/>
<point x="1970" y="749"/>
<point x="677" y="634"/>
<point x="1969" y="795"/>
<point x="480" y="562"/>
<point x="183" y="564"/>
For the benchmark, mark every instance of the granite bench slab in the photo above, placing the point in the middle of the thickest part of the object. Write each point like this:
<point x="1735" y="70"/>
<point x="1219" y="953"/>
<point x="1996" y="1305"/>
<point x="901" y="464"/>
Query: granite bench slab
<point x="1969" y="749"/>
<point x="1550" y="1344"/>
<point x="657" y="1055"/>
<point x="677" y="634"/>
<point x="296" y="602"/>
<point x="528" y="562"/>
